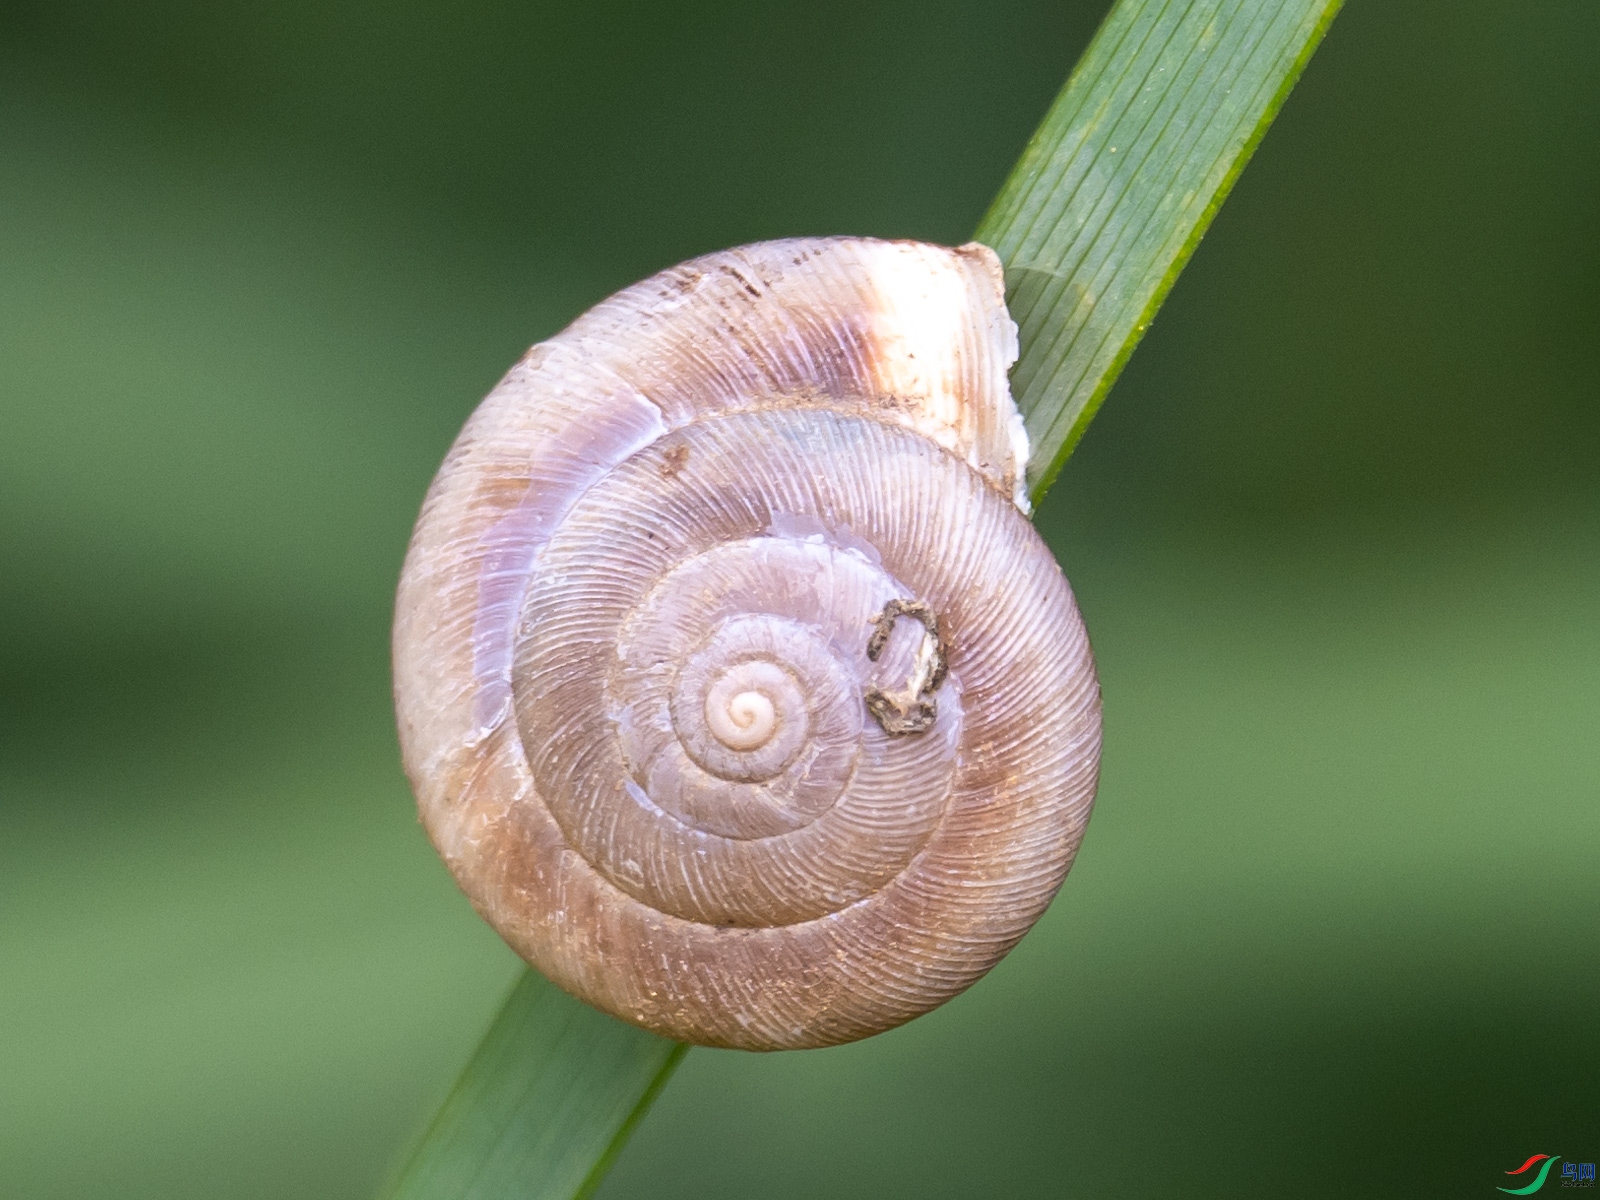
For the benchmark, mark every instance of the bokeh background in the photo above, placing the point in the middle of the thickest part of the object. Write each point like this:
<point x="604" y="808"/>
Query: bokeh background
<point x="1336" y="926"/>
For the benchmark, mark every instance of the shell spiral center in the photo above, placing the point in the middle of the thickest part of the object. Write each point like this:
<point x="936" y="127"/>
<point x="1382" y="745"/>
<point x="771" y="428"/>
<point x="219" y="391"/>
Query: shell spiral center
<point x="691" y="681"/>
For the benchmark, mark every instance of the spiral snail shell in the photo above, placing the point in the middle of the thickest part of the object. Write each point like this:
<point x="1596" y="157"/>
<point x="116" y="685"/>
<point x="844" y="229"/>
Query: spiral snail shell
<point x="734" y="685"/>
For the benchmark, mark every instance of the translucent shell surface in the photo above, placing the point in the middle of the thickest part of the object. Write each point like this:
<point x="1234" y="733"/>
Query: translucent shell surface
<point x="735" y="687"/>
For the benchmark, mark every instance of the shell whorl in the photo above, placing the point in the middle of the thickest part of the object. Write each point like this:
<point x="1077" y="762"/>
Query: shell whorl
<point x="637" y="699"/>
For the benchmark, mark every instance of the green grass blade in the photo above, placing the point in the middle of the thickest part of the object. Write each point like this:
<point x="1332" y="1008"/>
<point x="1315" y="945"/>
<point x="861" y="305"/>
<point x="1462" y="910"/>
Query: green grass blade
<point x="1119" y="183"/>
<point x="1094" y="224"/>
<point x="546" y="1103"/>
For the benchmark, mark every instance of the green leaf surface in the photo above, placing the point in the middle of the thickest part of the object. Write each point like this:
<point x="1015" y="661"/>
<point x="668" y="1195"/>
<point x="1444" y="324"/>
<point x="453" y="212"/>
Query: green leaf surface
<point x="545" y="1104"/>
<point x="1118" y="184"/>
<point x="1106" y="204"/>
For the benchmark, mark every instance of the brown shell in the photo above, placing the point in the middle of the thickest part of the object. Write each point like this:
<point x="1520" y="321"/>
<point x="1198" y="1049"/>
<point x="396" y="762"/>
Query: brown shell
<point x="632" y="668"/>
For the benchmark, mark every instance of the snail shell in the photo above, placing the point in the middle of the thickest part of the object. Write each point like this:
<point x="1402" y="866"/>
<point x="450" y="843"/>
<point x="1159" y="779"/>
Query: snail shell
<point x="734" y="685"/>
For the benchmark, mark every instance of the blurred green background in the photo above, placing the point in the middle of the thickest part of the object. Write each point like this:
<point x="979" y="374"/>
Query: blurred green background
<point x="1336" y="926"/>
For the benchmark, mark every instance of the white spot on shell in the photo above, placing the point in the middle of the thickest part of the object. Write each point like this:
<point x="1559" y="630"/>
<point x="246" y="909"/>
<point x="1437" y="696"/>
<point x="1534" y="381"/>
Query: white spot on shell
<point x="740" y="719"/>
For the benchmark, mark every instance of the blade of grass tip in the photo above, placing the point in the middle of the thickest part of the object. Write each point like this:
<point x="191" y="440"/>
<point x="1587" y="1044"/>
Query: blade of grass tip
<point x="1119" y="183"/>
<point x="1098" y="217"/>
<point x="544" y="1105"/>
